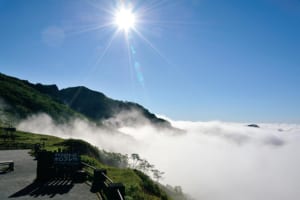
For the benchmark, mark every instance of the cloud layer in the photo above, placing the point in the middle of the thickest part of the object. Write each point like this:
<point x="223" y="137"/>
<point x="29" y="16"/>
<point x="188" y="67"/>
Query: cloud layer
<point x="211" y="161"/>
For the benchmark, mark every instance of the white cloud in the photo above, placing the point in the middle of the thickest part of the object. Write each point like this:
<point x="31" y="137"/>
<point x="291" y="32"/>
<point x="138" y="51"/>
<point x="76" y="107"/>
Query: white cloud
<point x="211" y="161"/>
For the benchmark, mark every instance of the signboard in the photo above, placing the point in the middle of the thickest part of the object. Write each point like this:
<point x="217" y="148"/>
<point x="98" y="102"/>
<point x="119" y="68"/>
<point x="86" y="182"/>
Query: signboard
<point x="66" y="159"/>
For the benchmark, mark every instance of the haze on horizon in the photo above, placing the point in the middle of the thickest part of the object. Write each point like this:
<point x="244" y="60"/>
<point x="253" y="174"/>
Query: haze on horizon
<point x="190" y="60"/>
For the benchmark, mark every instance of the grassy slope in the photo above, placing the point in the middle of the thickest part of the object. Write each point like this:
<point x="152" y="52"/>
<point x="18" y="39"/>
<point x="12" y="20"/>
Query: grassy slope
<point x="27" y="140"/>
<point x="136" y="185"/>
<point x="24" y="100"/>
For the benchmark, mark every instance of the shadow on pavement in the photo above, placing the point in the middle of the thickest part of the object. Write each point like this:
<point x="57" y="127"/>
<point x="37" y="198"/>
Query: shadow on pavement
<point x="49" y="188"/>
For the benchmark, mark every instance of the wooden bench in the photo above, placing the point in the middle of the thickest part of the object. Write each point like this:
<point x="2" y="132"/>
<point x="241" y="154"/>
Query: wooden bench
<point x="9" y="163"/>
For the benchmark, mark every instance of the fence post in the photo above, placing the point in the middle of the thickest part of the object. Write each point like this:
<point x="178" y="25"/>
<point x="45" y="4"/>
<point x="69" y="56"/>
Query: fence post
<point x="44" y="168"/>
<point x="98" y="182"/>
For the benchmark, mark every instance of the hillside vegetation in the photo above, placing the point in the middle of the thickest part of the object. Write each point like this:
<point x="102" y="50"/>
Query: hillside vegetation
<point x="139" y="186"/>
<point x="22" y="98"/>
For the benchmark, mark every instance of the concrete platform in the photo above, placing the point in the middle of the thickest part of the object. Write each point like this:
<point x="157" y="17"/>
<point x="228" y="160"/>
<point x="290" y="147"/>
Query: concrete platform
<point x="21" y="184"/>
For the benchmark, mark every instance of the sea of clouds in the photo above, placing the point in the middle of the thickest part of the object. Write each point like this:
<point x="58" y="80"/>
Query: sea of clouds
<point x="211" y="160"/>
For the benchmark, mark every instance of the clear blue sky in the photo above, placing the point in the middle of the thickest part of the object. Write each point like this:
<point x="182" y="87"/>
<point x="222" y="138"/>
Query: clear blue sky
<point x="229" y="60"/>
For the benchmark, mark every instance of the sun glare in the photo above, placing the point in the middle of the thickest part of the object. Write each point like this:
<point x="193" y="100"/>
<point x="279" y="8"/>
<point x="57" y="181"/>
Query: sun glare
<point x="125" y="19"/>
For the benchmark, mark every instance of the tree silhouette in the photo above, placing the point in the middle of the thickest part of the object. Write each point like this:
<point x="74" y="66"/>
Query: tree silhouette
<point x="135" y="160"/>
<point x="157" y="175"/>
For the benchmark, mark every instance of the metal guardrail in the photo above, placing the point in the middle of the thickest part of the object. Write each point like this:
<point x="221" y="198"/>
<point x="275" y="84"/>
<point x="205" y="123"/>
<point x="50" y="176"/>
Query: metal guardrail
<point x="108" y="182"/>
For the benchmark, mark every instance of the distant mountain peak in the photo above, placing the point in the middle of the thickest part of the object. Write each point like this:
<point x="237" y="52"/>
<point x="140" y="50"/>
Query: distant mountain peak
<point x="27" y="98"/>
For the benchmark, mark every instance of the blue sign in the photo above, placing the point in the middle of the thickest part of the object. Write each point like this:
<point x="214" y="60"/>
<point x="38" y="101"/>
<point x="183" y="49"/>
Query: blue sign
<point x="66" y="159"/>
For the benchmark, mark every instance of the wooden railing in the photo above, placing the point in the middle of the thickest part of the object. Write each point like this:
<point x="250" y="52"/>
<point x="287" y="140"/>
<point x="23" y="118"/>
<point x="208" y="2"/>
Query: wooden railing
<point x="104" y="185"/>
<point x="50" y="165"/>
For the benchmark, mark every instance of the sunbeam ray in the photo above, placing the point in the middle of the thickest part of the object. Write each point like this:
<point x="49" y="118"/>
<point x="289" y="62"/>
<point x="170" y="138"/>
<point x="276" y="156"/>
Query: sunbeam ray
<point x="152" y="6"/>
<point x="94" y="67"/>
<point x="90" y="28"/>
<point x="153" y="47"/>
<point x="171" y="22"/>
<point x="105" y="49"/>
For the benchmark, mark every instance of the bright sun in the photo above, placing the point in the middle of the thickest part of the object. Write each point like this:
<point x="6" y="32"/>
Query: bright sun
<point x="125" y="19"/>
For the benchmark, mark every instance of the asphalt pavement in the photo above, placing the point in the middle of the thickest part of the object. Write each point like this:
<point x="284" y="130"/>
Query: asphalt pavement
<point x="21" y="184"/>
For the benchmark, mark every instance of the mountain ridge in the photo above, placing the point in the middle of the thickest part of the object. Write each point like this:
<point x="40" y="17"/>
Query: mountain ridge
<point x="26" y="98"/>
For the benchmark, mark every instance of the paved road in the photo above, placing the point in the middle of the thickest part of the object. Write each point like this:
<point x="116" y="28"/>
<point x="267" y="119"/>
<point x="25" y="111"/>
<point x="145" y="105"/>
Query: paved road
<point x="20" y="184"/>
